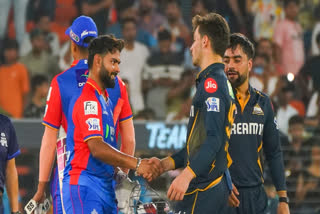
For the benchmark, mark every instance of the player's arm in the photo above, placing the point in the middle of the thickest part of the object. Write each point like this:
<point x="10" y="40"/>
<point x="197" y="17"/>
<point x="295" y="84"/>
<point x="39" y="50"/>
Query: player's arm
<point x="272" y="150"/>
<point x="46" y="160"/>
<point x="128" y="142"/>
<point x="214" y="117"/>
<point x="52" y="121"/>
<point x="12" y="184"/>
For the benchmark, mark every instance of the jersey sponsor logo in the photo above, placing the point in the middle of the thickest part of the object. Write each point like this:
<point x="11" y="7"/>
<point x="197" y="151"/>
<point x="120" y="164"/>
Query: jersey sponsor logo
<point x="257" y="110"/>
<point x="82" y="76"/>
<point x="192" y="111"/>
<point x="94" y="124"/>
<point x="213" y="104"/>
<point x="86" y="32"/>
<point x="210" y="85"/>
<point x="230" y="90"/>
<point x="276" y="123"/>
<point x="90" y="107"/>
<point x="247" y="129"/>
<point x="3" y="140"/>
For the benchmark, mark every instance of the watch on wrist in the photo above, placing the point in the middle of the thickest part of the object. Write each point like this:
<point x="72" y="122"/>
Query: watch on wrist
<point x="284" y="199"/>
<point x="137" y="166"/>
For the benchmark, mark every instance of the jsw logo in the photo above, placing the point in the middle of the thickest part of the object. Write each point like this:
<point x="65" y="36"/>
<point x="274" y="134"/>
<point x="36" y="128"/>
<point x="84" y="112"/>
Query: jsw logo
<point x="210" y="84"/>
<point x="80" y="84"/>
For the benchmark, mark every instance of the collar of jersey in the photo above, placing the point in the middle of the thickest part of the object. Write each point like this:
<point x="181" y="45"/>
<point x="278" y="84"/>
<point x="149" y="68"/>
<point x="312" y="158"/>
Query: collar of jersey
<point x="92" y="83"/>
<point x="74" y="63"/>
<point x="212" y="67"/>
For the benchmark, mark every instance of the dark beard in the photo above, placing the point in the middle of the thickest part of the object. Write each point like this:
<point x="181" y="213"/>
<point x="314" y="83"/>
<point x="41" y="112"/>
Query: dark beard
<point x="106" y="78"/>
<point x="239" y="81"/>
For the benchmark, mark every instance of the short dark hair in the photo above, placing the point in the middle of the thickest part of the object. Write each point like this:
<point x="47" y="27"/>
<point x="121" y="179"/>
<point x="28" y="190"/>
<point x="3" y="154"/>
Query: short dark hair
<point x="247" y="46"/>
<point x="103" y="45"/>
<point x="216" y="28"/>
<point x="10" y="44"/>
<point x="38" y="80"/>
<point x="296" y="119"/>
<point x="86" y="40"/>
<point x="127" y="20"/>
<point x="164" y="35"/>
<point x="287" y="2"/>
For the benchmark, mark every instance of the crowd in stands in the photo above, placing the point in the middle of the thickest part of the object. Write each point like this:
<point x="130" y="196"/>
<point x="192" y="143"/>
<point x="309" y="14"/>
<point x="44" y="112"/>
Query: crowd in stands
<point x="157" y="68"/>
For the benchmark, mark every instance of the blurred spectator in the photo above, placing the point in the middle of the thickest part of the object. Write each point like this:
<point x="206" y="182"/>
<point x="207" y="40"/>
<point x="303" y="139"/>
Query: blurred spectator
<point x="38" y="60"/>
<point x="308" y="187"/>
<point x="133" y="58"/>
<point x="295" y="153"/>
<point x="150" y="20"/>
<point x="40" y="6"/>
<point x="179" y="97"/>
<point x="315" y="48"/>
<point x="285" y="110"/>
<point x="199" y="7"/>
<point x="40" y="88"/>
<point x="313" y="113"/>
<point x="162" y="71"/>
<point x="308" y="82"/>
<point x="128" y="11"/>
<point x="14" y="81"/>
<point x="174" y="23"/>
<point x="52" y="44"/>
<point x="266" y="14"/>
<point x="145" y="114"/>
<point x="20" y="9"/>
<point x="257" y="76"/>
<point x="98" y="10"/>
<point x="288" y="38"/>
<point x="65" y="57"/>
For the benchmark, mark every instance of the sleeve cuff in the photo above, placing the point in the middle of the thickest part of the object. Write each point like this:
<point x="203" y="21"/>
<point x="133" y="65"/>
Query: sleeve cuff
<point x="194" y="174"/>
<point x="49" y="125"/>
<point x="14" y="155"/>
<point x="91" y="137"/>
<point x="173" y="162"/>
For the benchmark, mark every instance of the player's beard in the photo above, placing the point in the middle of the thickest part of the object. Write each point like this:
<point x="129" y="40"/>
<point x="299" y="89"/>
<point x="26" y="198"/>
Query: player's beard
<point x="105" y="77"/>
<point x="236" y="82"/>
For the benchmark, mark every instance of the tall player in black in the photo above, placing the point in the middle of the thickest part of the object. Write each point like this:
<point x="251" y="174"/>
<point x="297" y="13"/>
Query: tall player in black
<point x="253" y="131"/>
<point x="202" y="186"/>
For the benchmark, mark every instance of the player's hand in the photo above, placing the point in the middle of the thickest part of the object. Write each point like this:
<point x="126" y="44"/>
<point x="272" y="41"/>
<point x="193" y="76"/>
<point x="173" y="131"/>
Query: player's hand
<point x="148" y="170"/>
<point x="233" y="201"/>
<point x="41" y="192"/>
<point x="283" y="208"/>
<point x="180" y="185"/>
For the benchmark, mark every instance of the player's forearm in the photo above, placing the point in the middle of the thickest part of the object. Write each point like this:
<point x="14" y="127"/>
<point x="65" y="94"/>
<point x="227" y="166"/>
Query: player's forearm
<point x="47" y="154"/>
<point x="12" y="185"/>
<point x="128" y="142"/>
<point x="109" y="155"/>
<point x="167" y="164"/>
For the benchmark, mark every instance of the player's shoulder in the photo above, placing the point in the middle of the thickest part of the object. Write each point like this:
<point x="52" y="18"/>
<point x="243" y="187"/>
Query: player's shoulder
<point x="4" y="121"/>
<point x="260" y="97"/>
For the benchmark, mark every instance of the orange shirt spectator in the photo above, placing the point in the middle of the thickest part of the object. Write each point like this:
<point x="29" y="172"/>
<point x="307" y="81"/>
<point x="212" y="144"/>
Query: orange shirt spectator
<point x="14" y="81"/>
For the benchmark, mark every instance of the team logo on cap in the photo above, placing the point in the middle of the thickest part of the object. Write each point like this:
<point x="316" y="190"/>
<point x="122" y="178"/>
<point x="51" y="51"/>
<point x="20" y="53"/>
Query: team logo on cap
<point x="74" y="36"/>
<point x="210" y="85"/>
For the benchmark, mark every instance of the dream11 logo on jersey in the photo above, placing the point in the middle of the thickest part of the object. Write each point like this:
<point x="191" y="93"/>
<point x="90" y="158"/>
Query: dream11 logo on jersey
<point x="210" y="85"/>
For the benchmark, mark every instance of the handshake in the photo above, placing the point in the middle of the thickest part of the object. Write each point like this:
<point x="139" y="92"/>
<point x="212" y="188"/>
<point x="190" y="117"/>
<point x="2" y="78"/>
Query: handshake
<point x="151" y="168"/>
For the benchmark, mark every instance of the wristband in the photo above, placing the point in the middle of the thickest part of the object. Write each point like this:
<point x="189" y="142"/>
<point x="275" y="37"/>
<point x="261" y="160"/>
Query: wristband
<point x="284" y="199"/>
<point x="137" y="166"/>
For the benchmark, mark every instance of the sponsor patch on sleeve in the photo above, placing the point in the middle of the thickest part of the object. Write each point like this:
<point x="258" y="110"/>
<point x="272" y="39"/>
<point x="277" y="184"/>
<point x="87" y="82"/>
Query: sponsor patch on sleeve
<point x="213" y="104"/>
<point x="93" y="124"/>
<point x="210" y="85"/>
<point x="90" y="107"/>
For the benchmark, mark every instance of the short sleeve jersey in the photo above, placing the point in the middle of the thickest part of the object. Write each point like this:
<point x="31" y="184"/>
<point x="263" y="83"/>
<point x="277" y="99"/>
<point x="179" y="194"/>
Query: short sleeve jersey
<point x="90" y="116"/>
<point x="9" y="147"/>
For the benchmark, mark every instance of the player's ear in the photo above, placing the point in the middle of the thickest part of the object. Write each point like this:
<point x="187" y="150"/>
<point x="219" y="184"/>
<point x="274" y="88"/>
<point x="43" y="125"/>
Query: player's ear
<point x="250" y="65"/>
<point x="205" y="41"/>
<point x="97" y="60"/>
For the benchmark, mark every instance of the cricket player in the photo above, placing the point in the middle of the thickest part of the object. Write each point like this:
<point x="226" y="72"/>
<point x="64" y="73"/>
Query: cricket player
<point x="254" y="130"/>
<point x="202" y="186"/>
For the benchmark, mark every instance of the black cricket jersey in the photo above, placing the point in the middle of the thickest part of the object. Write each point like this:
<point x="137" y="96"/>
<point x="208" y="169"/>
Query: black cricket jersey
<point x="9" y="147"/>
<point x="253" y="133"/>
<point x="211" y="116"/>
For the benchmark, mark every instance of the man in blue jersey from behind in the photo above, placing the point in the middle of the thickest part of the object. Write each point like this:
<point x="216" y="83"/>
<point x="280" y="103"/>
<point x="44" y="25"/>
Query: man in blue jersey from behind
<point x="91" y="141"/>
<point x="254" y="130"/>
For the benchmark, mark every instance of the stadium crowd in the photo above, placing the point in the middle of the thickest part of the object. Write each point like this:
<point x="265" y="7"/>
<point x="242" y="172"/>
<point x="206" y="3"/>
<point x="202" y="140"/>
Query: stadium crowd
<point x="157" y="68"/>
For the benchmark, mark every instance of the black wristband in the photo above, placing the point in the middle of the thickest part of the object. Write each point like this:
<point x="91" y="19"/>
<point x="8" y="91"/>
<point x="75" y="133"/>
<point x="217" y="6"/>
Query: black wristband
<point x="284" y="199"/>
